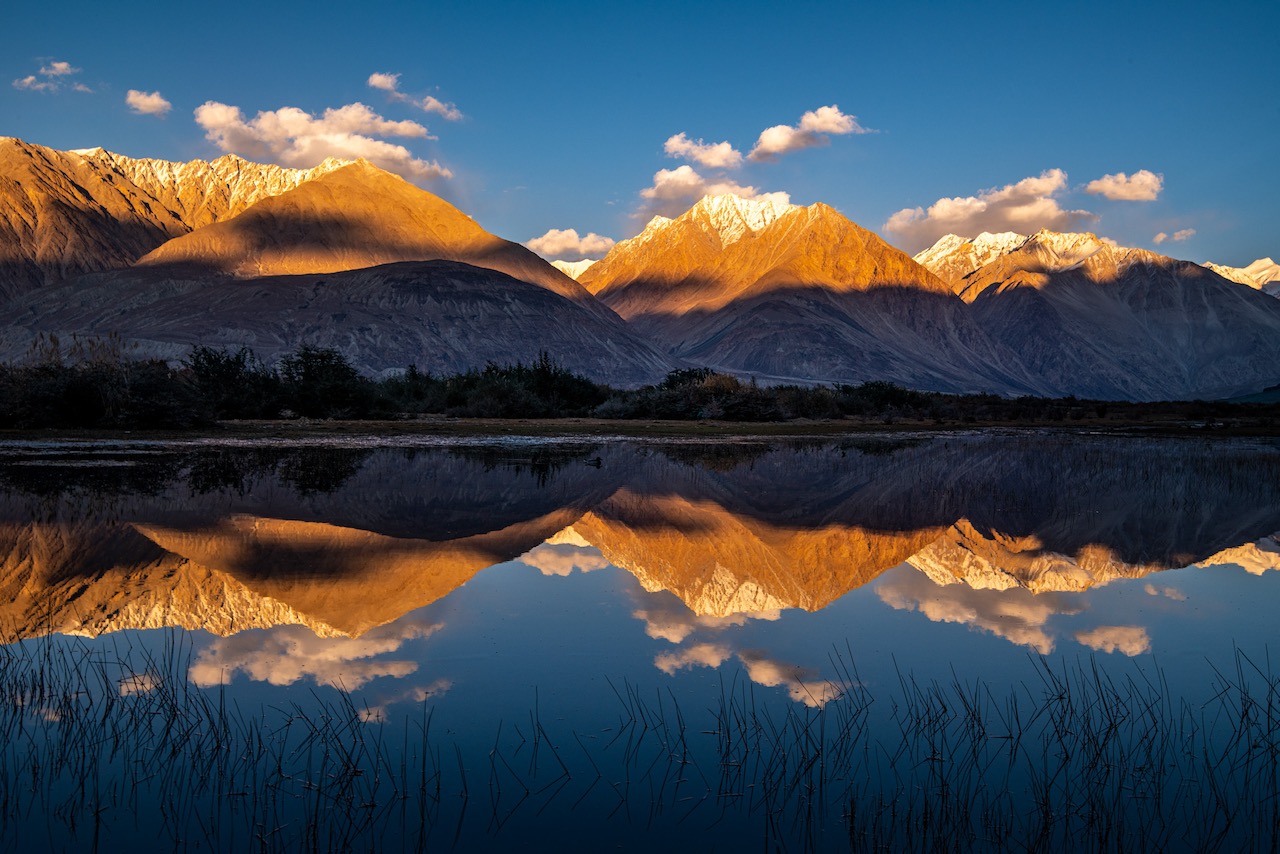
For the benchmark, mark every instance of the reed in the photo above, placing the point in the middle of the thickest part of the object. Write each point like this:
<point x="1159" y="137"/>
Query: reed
<point x="108" y="744"/>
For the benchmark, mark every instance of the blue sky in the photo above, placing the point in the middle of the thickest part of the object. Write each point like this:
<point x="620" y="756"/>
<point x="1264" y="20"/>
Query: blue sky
<point x="566" y="109"/>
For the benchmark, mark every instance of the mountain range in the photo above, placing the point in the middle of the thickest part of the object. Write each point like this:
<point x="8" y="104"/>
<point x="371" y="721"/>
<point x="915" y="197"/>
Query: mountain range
<point x="230" y="540"/>
<point x="229" y="253"/>
<point x="1098" y="320"/>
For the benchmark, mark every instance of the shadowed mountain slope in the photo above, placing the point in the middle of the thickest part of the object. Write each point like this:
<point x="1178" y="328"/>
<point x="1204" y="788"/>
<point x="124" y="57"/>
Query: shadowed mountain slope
<point x="443" y="316"/>
<point x="1095" y="320"/>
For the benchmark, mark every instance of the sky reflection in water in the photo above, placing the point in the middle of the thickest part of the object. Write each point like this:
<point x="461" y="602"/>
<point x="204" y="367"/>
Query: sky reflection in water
<point x="482" y="582"/>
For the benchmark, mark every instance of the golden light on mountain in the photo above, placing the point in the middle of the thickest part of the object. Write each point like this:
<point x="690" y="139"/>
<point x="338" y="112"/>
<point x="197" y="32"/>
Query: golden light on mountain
<point x="720" y="563"/>
<point x="354" y="217"/>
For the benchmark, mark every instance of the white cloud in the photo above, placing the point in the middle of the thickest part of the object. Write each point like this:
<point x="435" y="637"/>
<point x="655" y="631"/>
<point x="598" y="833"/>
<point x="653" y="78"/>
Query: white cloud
<point x="58" y="69"/>
<point x="1130" y="640"/>
<point x="297" y="138"/>
<point x="52" y="82"/>
<point x="147" y="103"/>
<point x="667" y="618"/>
<point x="815" y="128"/>
<point x="1141" y="186"/>
<point x="675" y="190"/>
<point x="390" y="83"/>
<point x="698" y="655"/>
<point x="565" y="243"/>
<point x="1024" y="207"/>
<point x="34" y="84"/>
<point x="138" y="683"/>
<point x="283" y="655"/>
<point x="1168" y="592"/>
<point x="802" y="683"/>
<point x="713" y="155"/>
<point x="1179" y="235"/>
<point x="1016" y="614"/>
<point x="561" y="559"/>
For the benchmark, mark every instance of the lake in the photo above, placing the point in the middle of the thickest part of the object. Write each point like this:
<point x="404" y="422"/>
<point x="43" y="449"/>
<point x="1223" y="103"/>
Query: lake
<point x="962" y="641"/>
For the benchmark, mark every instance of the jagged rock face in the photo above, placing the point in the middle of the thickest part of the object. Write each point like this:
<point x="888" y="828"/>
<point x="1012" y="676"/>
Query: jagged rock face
<point x="354" y="217"/>
<point x="954" y="257"/>
<point x="63" y="213"/>
<point x="441" y="316"/>
<point x="797" y="293"/>
<point x="1095" y="320"/>
<point x="996" y="561"/>
<point x="201" y="192"/>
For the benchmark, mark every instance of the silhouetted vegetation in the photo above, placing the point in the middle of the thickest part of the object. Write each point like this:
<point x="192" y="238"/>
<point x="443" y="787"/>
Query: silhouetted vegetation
<point x="97" y="385"/>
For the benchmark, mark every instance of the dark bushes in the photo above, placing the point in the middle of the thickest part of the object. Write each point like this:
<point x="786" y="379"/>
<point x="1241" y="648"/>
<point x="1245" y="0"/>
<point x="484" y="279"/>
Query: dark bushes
<point x="97" y="386"/>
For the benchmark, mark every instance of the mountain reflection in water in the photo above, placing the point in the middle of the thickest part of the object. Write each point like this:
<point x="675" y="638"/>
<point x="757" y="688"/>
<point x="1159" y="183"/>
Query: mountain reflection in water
<point x="344" y="541"/>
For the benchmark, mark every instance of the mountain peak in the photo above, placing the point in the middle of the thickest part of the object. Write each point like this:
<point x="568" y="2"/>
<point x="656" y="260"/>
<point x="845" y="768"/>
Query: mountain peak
<point x="953" y="257"/>
<point x="733" y="216"/>
<point x="1263" y="274"/>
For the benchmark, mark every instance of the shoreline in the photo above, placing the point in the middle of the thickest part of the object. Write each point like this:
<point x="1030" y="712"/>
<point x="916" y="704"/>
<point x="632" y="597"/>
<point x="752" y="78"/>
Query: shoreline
<point x="600" y="427"/>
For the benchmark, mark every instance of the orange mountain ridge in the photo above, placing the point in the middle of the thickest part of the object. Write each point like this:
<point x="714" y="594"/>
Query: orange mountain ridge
<point x="354" y="217"/>
<point x="696" y="262"/>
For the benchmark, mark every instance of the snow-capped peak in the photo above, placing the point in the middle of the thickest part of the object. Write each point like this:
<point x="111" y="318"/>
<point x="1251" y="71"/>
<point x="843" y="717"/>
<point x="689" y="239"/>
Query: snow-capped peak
<point x="1263" y="274"/>
<point x="1064" y="250"/>
<point x="953" y="257"/>
<point x="573" y="269"/>
<point x="733" y="216"/>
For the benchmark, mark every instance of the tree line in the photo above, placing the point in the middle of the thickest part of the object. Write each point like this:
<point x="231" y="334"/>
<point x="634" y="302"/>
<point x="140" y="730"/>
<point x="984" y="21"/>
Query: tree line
<point x="97" y="386"/>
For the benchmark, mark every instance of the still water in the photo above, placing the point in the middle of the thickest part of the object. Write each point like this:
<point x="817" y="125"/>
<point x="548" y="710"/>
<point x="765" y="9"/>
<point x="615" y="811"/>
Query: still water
<point x="966" y="642"/>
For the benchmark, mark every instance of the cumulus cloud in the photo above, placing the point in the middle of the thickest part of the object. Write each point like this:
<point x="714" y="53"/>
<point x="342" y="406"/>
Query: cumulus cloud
<point x="50" y="79"/>
<point x="1168" y="592"/>
<point x="803" y="684"/>
<point x="58" y="69"/>
<point x="138" y="683"/>
<point x="561" y="559"/>
<point x="147" y="103"/>
<point x="675" y="190"/>
<point x="666" y="618"/>
<point x="377" y="713"/>
<point x="294" y="137"/>
<point x="1024" y="207"/>
<point x="1016" y="615"/>
<point x="1141" y="186"/>
<point x="390" y="83"/>
<point x="35" y="84"/>
<point x="1130" y="640"/>
<point x="284" y="655"/>
<point x="565" y="243"/>
<point x="1179" y="235"/>
<point x="698" y="655"/>
<point x="713" y="155"/>
<point x="816" y="127"/>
